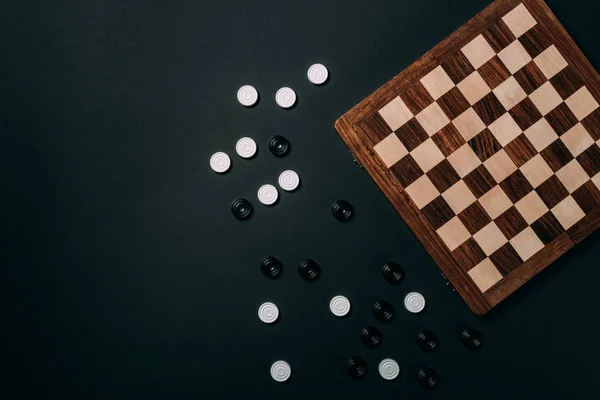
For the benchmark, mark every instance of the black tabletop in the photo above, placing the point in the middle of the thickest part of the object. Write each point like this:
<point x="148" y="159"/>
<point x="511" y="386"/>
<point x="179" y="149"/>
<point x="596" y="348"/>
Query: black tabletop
<point x="127" y="275"/>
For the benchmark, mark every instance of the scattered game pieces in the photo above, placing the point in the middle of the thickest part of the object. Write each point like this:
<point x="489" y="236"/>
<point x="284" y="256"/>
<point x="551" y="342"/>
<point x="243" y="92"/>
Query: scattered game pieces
<point x="268" y="313"/>
<point x="371" y="336"/>
<point x="472" y="339"/>
<point x="384" y="311"/>
<point x="427" y="377"/>
<point x="241" y="209"/>
<point x="289" y="180"/>
<point x="309" y="270"/>
<point x="342" y="210"/>
<point x="317" y="74"/>
<point x="220" y="162"/>
<point x="246" y="147"/>
<point x="279" y="146"/>
<point x="392" y="272"/>
<point x="389" y="369"/>
<point x="267" y="194"/>
<point x="357" y="367"/>
<point x="271" y="267"/>
<point x="285" y="97"/>
<point x="414" y="302"/>
<point x="427" y="341"/>
<point x="281" y="371"/>
<point x="339" y="306"/>
<point x="247" y="96"/>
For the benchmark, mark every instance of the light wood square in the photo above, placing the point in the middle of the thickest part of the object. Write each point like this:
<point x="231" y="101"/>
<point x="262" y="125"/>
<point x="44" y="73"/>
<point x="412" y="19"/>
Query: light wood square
<point x="510" y="93"/>
<point x="536" y="171"/>
<point x="468" y="124"/>
<point x="572" y="176"/>
<point x="596" y="180"/>
<point x="495" y="202"/>
<point x="505" y="129"/>
<point x="546" y="98"/>
<point x="390" y="150"/>
<point x="474" y="88"/>
<point x="527" y="244"/>
<point x="568" y="212"/>
<point x="531" y="207"/>
<point x="514" y="56"/>
<point x="459" y="197"/>
<point x="551" y="62"/>
<point x="500" y="166"/>
<point x="519" y="20"/>
<point x="577" y="139"/>
<point x="454" y="233"/>
<point x="478" y="51"/>
<point x="490" y="238"/>
<point x="427" y="155"/>
<point x="437" y="83"/>
<point x="395" y="113"/>
<point x="582" y="103"/>
<point x="422" y="191"/>
<point x="541" y="134"/>
<point x="485" y="275"/>
<point x="464" y="160"/>
<point x="432" y="119"/>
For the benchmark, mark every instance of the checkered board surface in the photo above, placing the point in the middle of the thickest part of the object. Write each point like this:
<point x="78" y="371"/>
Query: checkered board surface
<point x="494" y="143"/>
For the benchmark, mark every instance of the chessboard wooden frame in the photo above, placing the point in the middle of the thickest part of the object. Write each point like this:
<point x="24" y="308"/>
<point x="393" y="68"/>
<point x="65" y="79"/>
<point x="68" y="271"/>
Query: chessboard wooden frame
<point x="361" y="146"/>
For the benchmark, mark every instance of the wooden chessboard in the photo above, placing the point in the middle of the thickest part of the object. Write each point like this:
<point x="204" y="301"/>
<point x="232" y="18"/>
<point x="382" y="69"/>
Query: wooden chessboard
<point x="489" y="148"/>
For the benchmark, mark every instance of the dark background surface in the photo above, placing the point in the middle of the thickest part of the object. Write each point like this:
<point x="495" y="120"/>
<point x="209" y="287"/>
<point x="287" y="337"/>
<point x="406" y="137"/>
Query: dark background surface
<point x="127" y="276"/>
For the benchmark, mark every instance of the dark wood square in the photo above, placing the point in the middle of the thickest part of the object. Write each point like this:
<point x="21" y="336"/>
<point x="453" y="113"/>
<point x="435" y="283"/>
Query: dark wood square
<point x="590" y="160"/>
<point x="480" y="181"/>
<point x="547" y="228"/>
<point x="567" y="82"/>
<point x="511" y="223"/>
<point x="588" y="197"/>
<point x="525" y="114"/>
<point x="438" y="212"/>
<point x="376" y="127"/>
<point x="474" y="218"/>
<point x="485" y="145"/>
<point x="506" y="259"/>
<point x="520" y="150"/>
<point x="406" y="171"/>
<point x="561" y="119"/>
<point x="458" y="67"/>
<point x="417" y="98"/>
<point x="516" y="186"/>
<point x="530" y="77"/>
<point x="453" y="103"/>
<point x="468" y="255"/>
<point x="448" y="139"/>
<point x="494" y="72"/>
<point x="592" y="124"/>
<point x="552" y="191"/>
<point x="412" y="134"/>
<point x="499" y="36"/>
<point x="556" y="155"/>
<point x="443" y="176"/>
<point x="535" y="41"/>
<point x="489" y="108"/>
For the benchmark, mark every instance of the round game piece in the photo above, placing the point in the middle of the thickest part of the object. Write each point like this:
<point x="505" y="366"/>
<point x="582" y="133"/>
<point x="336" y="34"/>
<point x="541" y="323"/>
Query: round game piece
<point x="247" y="95"/>
<point x="389" y="369"/>
<point x="268" y="313"/>
<point x="414" y="302"/>
<point x="289" y="180"/>
<point x="246" y="147"/>
<point x="285" y="97"/>
<point x="384" y="311"/>
<point x="317" y="74"/>
<point x="357" y="367"/>
<point x="267" y="194"/>
<point x="309" y="270"/>
<point x="241" y="209"/>
<point x="281" y="371"/>
<point x="427" y="341"/>
<point x="392" y="273"/>
<point x="220" y="162"/>
<point x="371" y="336"/>
<point x="472" y="339"/>
<point x="427" y="377"/>
<point x="339" y="306"/>
<point x="279" y="146"/>
<point x="271" y="267"/>
<point x="342" y="210"/>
